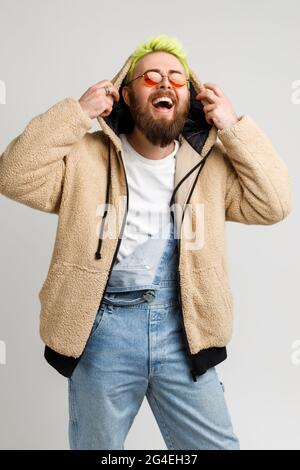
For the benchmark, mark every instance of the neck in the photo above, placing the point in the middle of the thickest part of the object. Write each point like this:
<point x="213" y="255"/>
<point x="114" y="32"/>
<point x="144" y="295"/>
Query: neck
<point x="143" y="146"/>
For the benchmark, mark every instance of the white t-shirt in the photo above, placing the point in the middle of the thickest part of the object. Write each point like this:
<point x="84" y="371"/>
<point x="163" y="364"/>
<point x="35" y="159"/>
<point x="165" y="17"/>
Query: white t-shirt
<point x="150" y="185"/>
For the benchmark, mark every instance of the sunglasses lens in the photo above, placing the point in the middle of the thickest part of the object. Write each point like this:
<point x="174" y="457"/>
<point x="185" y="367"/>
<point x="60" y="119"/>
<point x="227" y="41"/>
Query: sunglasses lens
<point x="177" y="79"/>
<point x="153" y="78"/>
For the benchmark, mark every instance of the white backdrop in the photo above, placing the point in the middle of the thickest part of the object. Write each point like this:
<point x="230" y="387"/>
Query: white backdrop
<point x="58" y="48"/>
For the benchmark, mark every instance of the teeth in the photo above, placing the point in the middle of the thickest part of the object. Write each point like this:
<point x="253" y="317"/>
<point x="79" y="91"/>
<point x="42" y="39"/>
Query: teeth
<point x="162" y="98"/>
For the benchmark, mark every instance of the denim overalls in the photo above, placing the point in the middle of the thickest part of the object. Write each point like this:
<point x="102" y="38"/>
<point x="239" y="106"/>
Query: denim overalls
<point x="148" y="267"/>
<point x="135" y="350"/>
<point x="152" y="266"/>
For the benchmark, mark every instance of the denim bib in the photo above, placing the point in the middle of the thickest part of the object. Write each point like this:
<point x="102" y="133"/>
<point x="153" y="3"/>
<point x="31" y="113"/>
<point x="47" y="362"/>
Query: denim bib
<point x="151" y="262"/>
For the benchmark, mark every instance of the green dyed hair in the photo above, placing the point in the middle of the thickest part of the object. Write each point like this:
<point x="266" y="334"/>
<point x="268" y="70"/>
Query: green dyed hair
<point x="159" y="43"/>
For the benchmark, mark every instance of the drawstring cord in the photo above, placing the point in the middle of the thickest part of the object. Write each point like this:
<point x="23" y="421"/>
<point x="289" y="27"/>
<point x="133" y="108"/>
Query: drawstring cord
<point x="98" y="252"/>
<point x="201" y="164"/>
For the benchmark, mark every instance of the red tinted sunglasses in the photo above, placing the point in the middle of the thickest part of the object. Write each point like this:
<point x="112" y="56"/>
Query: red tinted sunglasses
<point x="152" y="78"/>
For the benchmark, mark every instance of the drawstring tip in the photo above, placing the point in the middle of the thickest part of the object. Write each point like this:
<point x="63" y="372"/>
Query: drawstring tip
<point x="97" y="255"/>
<point x="194" y="376"/>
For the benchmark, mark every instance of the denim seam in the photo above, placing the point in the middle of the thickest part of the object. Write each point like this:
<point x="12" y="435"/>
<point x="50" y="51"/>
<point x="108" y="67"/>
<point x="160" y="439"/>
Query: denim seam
<point x="74" y="420"/>
<point x="167" y="434"/>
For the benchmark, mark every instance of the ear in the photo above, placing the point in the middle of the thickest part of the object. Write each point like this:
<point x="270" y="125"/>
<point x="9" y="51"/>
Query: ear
<point x="125" y="94"/>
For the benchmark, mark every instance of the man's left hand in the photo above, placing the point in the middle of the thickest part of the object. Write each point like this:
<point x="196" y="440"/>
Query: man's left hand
<point x="219" y="110"/>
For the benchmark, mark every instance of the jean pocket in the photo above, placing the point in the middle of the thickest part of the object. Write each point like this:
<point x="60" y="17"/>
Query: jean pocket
<point x="98" y="320"/>
<point x="126" y="299"/>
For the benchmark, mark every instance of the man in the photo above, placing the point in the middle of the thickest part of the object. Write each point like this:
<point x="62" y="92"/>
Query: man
<point x="137" y="313"/>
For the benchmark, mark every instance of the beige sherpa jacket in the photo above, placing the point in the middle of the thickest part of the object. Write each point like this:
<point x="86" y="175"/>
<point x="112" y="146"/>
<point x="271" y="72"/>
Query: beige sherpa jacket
<point x="55" y="165"/>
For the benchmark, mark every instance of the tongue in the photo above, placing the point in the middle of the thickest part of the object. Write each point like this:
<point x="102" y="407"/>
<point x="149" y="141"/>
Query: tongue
<point x="162" y="106"/>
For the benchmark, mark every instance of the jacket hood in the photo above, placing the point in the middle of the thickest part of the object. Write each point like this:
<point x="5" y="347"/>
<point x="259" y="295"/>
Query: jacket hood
<point x="200" y="135"/>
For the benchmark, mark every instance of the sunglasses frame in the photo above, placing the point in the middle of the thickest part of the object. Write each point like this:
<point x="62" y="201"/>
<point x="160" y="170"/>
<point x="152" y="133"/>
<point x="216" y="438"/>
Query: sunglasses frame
<point x="187" y="81"/>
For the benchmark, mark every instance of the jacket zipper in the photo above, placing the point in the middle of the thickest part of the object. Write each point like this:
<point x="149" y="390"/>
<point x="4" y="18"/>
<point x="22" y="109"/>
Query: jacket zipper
<point x="181" y="317"/>
<point x="121" y="234"/>
<point x="201" y="164"/>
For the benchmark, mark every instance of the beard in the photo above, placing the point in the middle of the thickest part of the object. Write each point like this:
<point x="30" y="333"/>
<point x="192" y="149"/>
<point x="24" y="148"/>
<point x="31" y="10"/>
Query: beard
<point x="160" y="131"/>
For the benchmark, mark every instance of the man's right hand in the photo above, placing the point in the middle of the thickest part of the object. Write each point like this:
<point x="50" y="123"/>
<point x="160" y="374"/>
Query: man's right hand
<point x="96" y="103"/>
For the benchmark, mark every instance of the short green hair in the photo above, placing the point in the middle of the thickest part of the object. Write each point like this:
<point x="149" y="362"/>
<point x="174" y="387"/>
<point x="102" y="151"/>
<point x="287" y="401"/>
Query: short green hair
<point x="159" y="43"/>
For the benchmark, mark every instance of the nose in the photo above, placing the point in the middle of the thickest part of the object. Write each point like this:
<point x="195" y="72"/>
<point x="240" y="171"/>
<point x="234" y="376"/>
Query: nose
<point x="165" y="82"/>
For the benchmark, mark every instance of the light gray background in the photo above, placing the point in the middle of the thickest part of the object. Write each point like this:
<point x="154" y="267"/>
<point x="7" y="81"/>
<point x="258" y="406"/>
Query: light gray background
<point x="58" y="48"/>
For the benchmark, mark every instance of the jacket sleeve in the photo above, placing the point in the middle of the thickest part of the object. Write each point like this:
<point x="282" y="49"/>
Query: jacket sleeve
<point x="32" y="167"/>
<point x="258" y="186"/>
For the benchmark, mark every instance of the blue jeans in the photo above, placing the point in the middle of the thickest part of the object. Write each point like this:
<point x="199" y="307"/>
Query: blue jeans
<point x="136" y="349"/>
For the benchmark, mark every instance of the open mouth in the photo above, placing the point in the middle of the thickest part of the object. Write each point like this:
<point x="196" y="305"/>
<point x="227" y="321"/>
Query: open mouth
<point x="163" y="104"/>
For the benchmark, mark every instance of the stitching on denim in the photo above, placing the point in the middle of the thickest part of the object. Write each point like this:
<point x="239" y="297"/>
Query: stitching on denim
<point x="167" y="434"/>
<point x="74" y="416"/>
<point x="100" y="315"/>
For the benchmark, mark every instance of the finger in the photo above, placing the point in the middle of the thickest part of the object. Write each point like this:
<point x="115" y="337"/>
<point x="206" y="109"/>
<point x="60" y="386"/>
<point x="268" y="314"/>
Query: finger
<point x="106" y="83"/>
<point x="209" y="107"/>
<point x="107" y="111"/>
<point x="101" y="84"/>
<point x="209" y="117"/>
<point x="97" y="86"/>
<point x="113" y="91"/>
<point x="215" y="88"/>
<point x="209" y="95"/>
